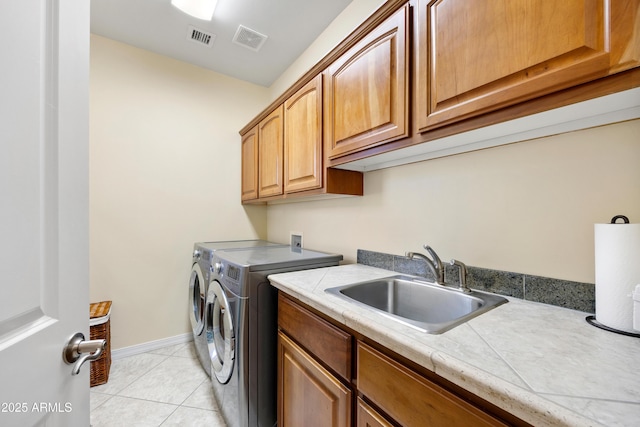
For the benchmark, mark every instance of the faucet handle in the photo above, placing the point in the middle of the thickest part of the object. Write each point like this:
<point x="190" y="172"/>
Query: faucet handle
<point x="463" y="275"/>
<point x="437" y="264"/>
<point x="434" y="255"/>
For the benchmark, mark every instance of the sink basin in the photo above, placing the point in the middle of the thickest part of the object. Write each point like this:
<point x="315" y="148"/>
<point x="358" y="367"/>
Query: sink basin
<point x="427" y="306"/>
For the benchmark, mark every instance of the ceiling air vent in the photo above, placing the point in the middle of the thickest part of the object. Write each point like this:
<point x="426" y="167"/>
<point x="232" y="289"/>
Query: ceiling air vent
<point x="249" y="38"/>
<point x="199" y="36"/>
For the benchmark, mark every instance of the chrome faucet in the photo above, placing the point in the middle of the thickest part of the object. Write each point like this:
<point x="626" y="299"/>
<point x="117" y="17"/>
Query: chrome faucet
<point x="462" y="269"/>
<point x="434" y="265"/>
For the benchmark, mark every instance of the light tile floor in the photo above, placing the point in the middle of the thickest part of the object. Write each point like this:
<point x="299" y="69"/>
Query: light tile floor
<point x="164" y="387"/>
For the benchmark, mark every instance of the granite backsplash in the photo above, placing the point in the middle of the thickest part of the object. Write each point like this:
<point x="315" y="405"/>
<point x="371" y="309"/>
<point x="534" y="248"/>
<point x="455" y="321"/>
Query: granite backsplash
<point x="563" y="293"/>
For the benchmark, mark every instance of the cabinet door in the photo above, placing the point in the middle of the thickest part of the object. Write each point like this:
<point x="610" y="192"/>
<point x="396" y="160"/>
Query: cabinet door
<point x="367" y="96"/>
<point x="308" y="395"/>
<point x="270" y="143"/>
<point x="250" y="165"/>
<point x="369" y="417"/>
<point x="303" y="138"/>
<point x="477" y="56"/>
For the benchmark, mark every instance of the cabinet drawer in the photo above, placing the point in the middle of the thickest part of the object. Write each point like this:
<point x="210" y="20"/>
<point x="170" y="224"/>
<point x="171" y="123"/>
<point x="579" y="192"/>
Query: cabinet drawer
<point x="411" y="399"/>
<point x="328" y="343"/>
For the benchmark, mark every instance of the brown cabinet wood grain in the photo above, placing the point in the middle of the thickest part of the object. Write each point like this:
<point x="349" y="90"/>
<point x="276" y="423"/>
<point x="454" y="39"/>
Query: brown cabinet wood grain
<point x="366" y="416"/>
<point x="303" y="138"/>
<point x="250" y="165"/>
<point x="417" y="71"/>
<point x="330" y="344"/>
<point x="270" y="154"/>
<point x="314" y="374"/>
<point x="476" y="56"/>
<point x="411" y="399"/>
<point x="367" y="89"/>
<point x="308" y="394"/>
<point x="283" y="155"/>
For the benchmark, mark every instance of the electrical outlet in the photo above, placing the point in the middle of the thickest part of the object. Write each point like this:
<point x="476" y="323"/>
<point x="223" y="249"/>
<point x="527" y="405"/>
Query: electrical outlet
<point x="296" y="239"/>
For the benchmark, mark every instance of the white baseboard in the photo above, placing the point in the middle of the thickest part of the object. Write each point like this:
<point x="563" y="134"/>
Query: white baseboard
<point x="151" y="345"/>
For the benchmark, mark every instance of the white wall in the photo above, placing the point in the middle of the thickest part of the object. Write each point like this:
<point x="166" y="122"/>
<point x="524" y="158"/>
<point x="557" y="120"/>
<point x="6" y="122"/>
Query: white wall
<point x="164" y="173"/>
<point x="528" y="207"/>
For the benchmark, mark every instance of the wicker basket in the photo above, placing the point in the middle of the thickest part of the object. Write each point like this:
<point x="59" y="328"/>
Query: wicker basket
<point x="100" y="328"/>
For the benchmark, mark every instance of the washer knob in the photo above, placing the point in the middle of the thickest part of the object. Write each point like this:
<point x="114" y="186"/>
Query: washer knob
<point x="216" y="268"/>
<point x="197" y="253"/>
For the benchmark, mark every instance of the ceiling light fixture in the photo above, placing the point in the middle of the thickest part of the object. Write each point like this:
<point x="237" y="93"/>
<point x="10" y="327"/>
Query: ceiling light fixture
<point x="201" y="9"/>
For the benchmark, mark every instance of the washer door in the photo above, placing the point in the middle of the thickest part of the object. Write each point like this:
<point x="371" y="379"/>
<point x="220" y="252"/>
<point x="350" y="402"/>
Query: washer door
<point x="220" y="333"/>
<point x="197" y="299"/>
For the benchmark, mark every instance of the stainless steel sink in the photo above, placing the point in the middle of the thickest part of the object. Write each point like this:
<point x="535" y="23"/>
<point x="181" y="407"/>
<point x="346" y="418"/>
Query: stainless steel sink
<point x="427" y="306"/>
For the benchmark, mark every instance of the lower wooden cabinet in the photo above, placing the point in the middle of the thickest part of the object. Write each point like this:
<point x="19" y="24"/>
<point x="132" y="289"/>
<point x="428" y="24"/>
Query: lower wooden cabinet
<point x="411" y="399"/>
<point x="366" y="416"/>
<point x="308" y="394"/>
<point x="325" y="341"/>
<point x="317" y="385"/>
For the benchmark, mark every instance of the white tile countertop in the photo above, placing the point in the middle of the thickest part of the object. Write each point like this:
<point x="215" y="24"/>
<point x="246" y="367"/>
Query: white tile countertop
<point x="544" y="364"/>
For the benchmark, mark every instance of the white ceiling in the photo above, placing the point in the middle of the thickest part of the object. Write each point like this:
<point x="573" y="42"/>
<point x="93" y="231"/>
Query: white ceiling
<point x="155" y="25"/>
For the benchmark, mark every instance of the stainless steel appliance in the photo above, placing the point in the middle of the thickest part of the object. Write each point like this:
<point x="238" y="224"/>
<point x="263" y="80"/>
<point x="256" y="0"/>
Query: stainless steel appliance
<point x="242" y="328"/>
<point x="198" y="287"/>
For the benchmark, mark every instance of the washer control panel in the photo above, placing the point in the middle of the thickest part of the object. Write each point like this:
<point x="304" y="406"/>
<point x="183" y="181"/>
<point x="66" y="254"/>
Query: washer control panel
<point x="229" y="274"/>
<point x="233" y="272"/>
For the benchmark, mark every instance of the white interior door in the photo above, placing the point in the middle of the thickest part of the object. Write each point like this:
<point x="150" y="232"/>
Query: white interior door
<point x="44" y="210"/>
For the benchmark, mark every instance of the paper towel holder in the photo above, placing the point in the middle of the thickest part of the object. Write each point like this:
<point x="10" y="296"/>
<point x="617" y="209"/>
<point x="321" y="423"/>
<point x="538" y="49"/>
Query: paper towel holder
<point x="617" y="217"/>
<point x="592" y="319"/>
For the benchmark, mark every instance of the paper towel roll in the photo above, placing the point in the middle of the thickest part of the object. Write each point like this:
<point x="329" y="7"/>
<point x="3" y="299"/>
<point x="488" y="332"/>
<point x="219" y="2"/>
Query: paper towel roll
<point x="617" y="255"/>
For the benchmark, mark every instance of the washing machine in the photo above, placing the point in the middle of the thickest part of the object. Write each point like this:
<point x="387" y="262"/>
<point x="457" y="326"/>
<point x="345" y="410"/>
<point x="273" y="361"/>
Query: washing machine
<point x="198" y="286"/>
<point x="241" y="328"/>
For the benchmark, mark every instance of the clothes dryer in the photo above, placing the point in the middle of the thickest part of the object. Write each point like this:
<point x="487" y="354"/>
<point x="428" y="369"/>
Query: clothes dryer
<point x="241" y="328"/>
<point x="198" y="286"/>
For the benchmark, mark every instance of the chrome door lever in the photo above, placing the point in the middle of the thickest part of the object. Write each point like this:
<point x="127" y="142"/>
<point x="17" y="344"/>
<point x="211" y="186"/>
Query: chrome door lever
<point x="78" y="351"/>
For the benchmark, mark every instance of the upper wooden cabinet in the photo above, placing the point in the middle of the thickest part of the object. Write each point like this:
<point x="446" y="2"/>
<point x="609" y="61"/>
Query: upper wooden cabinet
<point x="250" y="165"/>
<point x="476" y="56"/>
<point x="423" y="71"/>
<point x="270" y="143"/>
<point x="367" y="96"/>
<point x="283" y="155"/>
<point x="303" y="138"/>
